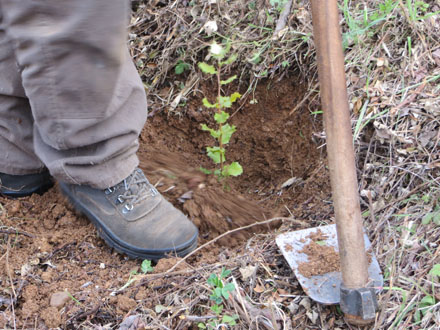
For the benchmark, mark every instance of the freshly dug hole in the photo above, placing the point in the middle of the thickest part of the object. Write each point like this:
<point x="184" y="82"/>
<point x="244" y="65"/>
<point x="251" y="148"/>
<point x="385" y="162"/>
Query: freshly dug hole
<point x="274" y="144"/>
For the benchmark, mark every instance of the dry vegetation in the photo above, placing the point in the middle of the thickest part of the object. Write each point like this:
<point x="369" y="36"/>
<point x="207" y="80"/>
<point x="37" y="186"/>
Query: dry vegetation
<point x="393" y="67"/>
<point x="392" y="52"/>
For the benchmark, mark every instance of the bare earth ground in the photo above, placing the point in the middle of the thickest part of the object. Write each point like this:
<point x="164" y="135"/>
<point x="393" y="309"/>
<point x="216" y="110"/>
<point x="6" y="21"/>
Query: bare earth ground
<point x="55" y="250"/>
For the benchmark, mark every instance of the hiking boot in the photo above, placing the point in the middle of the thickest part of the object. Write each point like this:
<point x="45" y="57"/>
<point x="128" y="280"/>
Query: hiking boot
<point x="24" y="185"/>
<point x="134" y="218"/>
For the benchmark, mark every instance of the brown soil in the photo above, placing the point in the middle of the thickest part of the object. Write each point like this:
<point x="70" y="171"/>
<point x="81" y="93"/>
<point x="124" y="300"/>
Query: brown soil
<point x="57" y="250"/>
<point x="322" y="259"/>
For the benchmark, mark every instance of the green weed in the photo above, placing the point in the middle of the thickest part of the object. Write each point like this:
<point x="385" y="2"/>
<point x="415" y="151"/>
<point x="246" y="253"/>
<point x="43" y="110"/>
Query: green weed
<point x="181" y="67"/>
<point x="428" y="301"/>
<point x="72" y="297"/>
<point x="146" y="267"/>
<point x="220" y="292"/>
<point x="278" y="4"/>
<point x="418" y="10"/>
<point x="223" y="132"/>
<point x="364" y="23"/>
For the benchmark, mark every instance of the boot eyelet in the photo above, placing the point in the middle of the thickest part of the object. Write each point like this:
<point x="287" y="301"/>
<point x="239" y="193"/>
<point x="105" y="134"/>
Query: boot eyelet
<point x="108" y="191"/>
<point x="127" y="208"/>
<point x="119" y="200"/>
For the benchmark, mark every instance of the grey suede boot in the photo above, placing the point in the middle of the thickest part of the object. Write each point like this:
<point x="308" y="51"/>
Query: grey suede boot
<point x="24" y="185"/>
<point x="134" y="218"/>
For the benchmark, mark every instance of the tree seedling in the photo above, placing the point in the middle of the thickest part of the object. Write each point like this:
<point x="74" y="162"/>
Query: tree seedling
<point x="223" y="132"/>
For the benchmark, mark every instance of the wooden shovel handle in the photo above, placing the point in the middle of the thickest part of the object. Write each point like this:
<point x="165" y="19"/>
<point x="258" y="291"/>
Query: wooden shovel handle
<point x="328" y="42"/>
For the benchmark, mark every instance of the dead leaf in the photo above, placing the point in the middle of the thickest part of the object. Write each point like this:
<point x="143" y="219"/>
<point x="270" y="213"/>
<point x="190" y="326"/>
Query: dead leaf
<point x="185" y="196"/>
<point x="313" y="316"/>
<point x="259" y="289"/>
<point x="132" y="322"/>
<point x="306" y="303"/>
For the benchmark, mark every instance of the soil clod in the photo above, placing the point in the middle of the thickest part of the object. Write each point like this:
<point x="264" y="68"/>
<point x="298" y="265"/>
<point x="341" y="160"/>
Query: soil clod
<point x="59" y="299"/>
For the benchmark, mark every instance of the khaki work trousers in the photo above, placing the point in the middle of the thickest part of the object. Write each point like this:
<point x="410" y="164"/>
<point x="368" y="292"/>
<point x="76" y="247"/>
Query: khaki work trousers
<point x="71" y="99"/>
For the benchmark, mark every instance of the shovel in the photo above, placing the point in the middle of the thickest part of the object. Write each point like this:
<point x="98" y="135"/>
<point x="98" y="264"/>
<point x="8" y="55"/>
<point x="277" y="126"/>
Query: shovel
<point x="354" y="284"/>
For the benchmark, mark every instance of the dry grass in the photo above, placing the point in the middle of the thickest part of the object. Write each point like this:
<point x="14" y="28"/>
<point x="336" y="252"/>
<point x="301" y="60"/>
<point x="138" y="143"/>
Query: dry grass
<point x="392" y="59"/>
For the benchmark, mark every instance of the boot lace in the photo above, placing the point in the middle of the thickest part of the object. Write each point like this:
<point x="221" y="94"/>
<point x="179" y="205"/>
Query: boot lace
<point x="135" y="189"/>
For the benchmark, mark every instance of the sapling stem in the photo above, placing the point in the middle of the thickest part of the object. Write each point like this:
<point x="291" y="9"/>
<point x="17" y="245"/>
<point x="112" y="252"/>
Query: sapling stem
<point x="223" y="130"/>
<point x="219" y="109"/>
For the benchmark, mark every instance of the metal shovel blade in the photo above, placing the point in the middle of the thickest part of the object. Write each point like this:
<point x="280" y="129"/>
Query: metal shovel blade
<point x="325" y="288"/>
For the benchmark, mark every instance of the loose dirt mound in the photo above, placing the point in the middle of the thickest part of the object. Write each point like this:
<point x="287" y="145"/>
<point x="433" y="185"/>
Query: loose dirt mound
<point x="56" y="250"/>
<point x="322" y="258"/>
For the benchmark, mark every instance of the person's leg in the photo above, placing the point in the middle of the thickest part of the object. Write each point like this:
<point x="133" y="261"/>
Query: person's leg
<point x="89" y="107"/>
<point x="87" y="99"/>
<point x="21" y="172"/>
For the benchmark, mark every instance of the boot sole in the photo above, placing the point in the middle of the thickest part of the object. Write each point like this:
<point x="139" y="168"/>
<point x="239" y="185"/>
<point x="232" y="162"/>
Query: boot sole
<point x="24" y="193"/>
<point x="119" y="245"/>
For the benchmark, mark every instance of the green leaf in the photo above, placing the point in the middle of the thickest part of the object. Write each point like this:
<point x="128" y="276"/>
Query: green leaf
<point x="217" y="309"/>
<point x="230" y="60"/>
<point x="226" y="132"/>
<point x="214" y="133"/>
<point x="427" y="218"/>
<point x="181" y="67"/>
<point x="426" y="301"/>
<point x="322" y="243"/>
<point x="225" y="272"/>
<point x="229" y="287"/>
<point x="217" y="154"/>
<point x="229" y="80"/>
<point x="207" y="104"/>
<point x="417" y="316"/>
<point x="235" y="97"/>
<point x="436" y="218"/>
<point x="213" y="280"/>
<point x="217" y="292"/>
<point x="233" y="169"/>
<point x="224" y="101"/>
<point x="221" y="117"/>
<point x="225" y="293"/>
<point x="201" y="325"/>
<point x="146" y="266"/>
<point x="255" y="58"/>
<point x="207" y="68"/>
<point x="435" y="271"/>
<point x="216" y="295"/>
<point x="229" y="319"/>
<point x="205" y="170"/>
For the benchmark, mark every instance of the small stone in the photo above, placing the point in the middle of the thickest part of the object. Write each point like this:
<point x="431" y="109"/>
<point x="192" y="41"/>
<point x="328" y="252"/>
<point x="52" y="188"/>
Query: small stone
<point x="247" y="272"/>
<point x="59" y="299"/>
<point x="25" y="269"/>
<point x="102" y="265"/>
